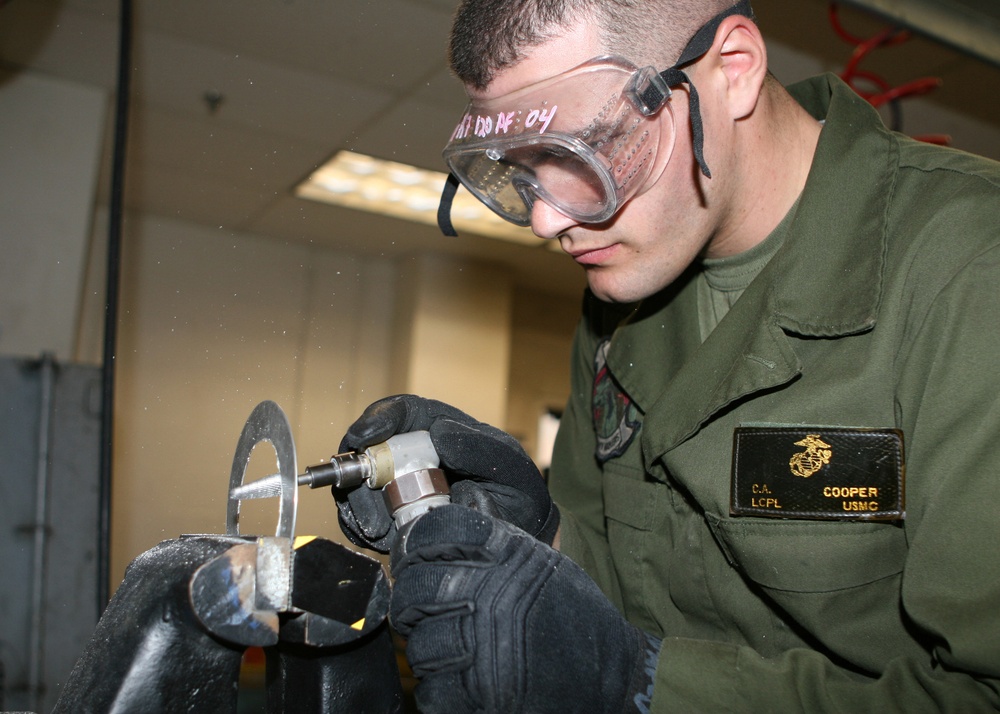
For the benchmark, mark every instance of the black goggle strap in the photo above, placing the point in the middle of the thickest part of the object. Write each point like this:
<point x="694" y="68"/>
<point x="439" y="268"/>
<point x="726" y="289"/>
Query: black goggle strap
<point x="444" y="208"/>
<point x="674" y="77"/>
<point x="696" y="48"/>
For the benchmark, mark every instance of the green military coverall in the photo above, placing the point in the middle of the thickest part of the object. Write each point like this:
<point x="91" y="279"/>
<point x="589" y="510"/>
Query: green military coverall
<point x="881" y="308"/>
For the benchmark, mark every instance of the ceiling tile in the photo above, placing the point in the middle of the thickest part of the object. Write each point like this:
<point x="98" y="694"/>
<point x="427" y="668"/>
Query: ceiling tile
<point x="75" y="45"/>
<point x="410" y="132"/>
<point x="214" y="148"/>
<point x="257" y="94"/>
<point x="383" y="43"/>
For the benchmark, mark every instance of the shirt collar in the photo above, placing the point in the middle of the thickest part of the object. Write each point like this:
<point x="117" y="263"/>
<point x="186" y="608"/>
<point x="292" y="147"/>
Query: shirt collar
<point x="838" y="235"/>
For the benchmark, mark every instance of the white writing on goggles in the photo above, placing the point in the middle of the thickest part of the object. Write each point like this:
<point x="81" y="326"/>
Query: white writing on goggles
<point x="583" y="141"/>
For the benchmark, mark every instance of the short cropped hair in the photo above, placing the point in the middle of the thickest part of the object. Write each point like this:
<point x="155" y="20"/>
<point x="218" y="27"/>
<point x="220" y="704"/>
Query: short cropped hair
<point x="489" y="36"/>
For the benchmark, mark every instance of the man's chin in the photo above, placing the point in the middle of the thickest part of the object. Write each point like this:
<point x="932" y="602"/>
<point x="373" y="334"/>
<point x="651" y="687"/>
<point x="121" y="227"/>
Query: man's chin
<point x="605" y="289"/>
<point x="608" y="286"/>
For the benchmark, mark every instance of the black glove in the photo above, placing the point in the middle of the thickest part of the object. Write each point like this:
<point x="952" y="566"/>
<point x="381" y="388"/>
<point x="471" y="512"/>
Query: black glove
<point x="498" y="622"/>
<point x="493" y="473"/>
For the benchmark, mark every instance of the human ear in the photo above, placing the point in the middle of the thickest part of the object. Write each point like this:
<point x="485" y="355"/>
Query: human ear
<point x="741" y="55"/>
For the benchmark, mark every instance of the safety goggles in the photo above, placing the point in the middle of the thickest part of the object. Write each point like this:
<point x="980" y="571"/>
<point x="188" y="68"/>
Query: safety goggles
<point x="583" y="141"/>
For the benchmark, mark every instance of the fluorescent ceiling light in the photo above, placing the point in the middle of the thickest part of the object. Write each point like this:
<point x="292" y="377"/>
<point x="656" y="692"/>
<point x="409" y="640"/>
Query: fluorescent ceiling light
<point x="393" y="189"/>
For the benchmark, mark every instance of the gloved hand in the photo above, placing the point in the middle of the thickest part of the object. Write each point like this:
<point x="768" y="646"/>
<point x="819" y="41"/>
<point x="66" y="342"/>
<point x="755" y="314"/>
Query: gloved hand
<point x="498" y="622"/>
<point x="493" y="473"/>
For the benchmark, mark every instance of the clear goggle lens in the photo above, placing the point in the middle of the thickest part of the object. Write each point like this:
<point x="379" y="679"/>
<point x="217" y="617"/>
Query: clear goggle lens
<point x="510" y="181"/>
<point x="592" y="157"/>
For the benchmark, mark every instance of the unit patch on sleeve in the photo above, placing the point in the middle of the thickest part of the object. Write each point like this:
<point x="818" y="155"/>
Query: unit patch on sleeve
<point x="616" y="418"/>
<point x="818" y="472"/>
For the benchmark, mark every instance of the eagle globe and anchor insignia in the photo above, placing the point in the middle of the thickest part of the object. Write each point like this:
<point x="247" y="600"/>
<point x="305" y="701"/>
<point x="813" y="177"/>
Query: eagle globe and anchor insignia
<point x="817" y="455"/>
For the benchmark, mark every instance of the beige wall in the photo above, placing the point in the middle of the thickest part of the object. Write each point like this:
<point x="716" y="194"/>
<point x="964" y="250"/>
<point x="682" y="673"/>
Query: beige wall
<point x="214" y="322"/>
<point x="539" y="362"/>
<point x="454" y="325"/>
<point x="211" y="322"/>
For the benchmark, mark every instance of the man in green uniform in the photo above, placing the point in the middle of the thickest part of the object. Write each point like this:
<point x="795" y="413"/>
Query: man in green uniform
<point x="779" y="465"/>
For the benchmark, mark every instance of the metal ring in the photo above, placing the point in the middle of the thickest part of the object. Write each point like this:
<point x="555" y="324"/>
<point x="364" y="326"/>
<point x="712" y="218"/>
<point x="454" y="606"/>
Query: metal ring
<point x="267" y="422"/>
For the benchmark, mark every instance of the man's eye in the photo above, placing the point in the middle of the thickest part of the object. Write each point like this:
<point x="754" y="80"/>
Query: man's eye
<point x="555" y="153"/>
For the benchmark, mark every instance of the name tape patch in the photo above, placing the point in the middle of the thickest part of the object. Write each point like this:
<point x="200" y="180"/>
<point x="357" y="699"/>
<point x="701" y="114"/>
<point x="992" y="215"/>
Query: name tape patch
<point x="818" y="472"/>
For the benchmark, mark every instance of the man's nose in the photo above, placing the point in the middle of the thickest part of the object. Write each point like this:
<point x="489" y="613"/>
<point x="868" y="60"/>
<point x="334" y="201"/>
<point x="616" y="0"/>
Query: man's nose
<point x="547" y="222"/>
